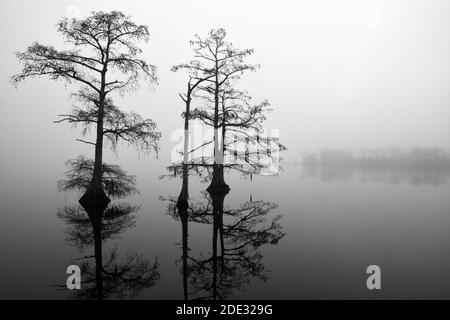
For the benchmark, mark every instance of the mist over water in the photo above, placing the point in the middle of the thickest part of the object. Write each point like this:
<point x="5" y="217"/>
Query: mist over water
<point x="359" y="92"/>
<point x="334" y="226"/>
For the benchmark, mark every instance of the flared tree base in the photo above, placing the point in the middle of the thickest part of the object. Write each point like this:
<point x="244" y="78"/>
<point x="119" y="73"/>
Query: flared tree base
<point x="218" y="189"/>
<point x="94" y="200"/>
<point x="182" y="205"/>
<point x="218" y="185"/>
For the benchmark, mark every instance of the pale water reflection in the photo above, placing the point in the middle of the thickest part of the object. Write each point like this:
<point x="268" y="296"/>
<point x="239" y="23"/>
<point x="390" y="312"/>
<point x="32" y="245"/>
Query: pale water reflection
<point x="296" y="235"/>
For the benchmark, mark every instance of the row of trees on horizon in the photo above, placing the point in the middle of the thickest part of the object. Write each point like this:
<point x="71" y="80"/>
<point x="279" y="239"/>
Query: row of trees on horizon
<point x="417" y="156"/>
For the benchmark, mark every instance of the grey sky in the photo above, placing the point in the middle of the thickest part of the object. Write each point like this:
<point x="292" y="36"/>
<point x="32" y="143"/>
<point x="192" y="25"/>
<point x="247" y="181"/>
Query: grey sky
<point x="337" y="73"/>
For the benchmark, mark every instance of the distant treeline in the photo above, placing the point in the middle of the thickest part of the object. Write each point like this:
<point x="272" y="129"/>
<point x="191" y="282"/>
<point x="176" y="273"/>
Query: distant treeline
<point x="434" y="157"/>
<point x="417" y="166"/>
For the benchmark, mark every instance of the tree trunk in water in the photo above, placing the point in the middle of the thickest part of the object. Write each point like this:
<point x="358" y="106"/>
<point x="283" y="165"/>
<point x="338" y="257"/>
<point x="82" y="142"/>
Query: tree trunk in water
<point x="95" y="214"/>
<point x="222" y="242"/>
<point x="218" y="185"/>
<point x="222" y="178"/>
<point x="95" y="194"/>
<point x="214" y="244"/>
<point x="182" y="203"/>
<point x="184" y="230"/>
<point x="98" y="262"/>
<point x="217" y="202"/>
<point x="182" y="206"/>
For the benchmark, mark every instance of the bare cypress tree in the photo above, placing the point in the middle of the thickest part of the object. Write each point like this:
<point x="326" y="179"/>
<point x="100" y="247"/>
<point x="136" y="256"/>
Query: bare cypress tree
<point x="104" y="58"/>
<point x="243" y="121"/>
<point x="192" y="86"/>
<point x="221" y="64"/>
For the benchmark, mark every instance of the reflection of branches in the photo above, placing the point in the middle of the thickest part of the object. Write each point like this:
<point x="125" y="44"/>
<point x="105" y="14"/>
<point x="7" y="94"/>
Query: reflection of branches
<point x="197" y="211"/>
<point x="116" y="181"/>
<point x="239" y="259"/>
<point x="241" y="232"/>
<point x="233" y="273"/>
<point x="119" y="280"/>
<point x="247" y="226"/>
<point x="116" y="219"/>
<point x="94" y="222"/>
<point x="110" y="278"/>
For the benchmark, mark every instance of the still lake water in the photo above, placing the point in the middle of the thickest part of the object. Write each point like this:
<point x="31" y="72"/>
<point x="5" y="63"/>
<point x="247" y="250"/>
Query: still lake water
<point x="335" y="224"/>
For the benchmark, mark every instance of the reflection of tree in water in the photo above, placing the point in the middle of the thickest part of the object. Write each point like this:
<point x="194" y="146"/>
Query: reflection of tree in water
<point x="92" y="222"/>
<point x="239" y="233"/>
<point x="237" y="237"/>
<point x="118" y="279"/>
<point x="116" y="219"/>
<point x="238" y="145"/>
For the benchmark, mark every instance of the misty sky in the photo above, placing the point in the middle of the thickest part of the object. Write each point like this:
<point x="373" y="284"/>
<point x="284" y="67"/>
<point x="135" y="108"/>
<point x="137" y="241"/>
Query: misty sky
<point x="342" y="74"/>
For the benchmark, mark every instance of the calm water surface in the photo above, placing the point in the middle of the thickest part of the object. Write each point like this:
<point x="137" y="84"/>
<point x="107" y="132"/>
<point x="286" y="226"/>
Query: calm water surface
<point x="329" y="226"/>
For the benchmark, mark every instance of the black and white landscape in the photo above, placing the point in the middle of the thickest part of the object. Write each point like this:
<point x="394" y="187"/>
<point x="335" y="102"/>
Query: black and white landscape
<point x="215" y="150"/>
